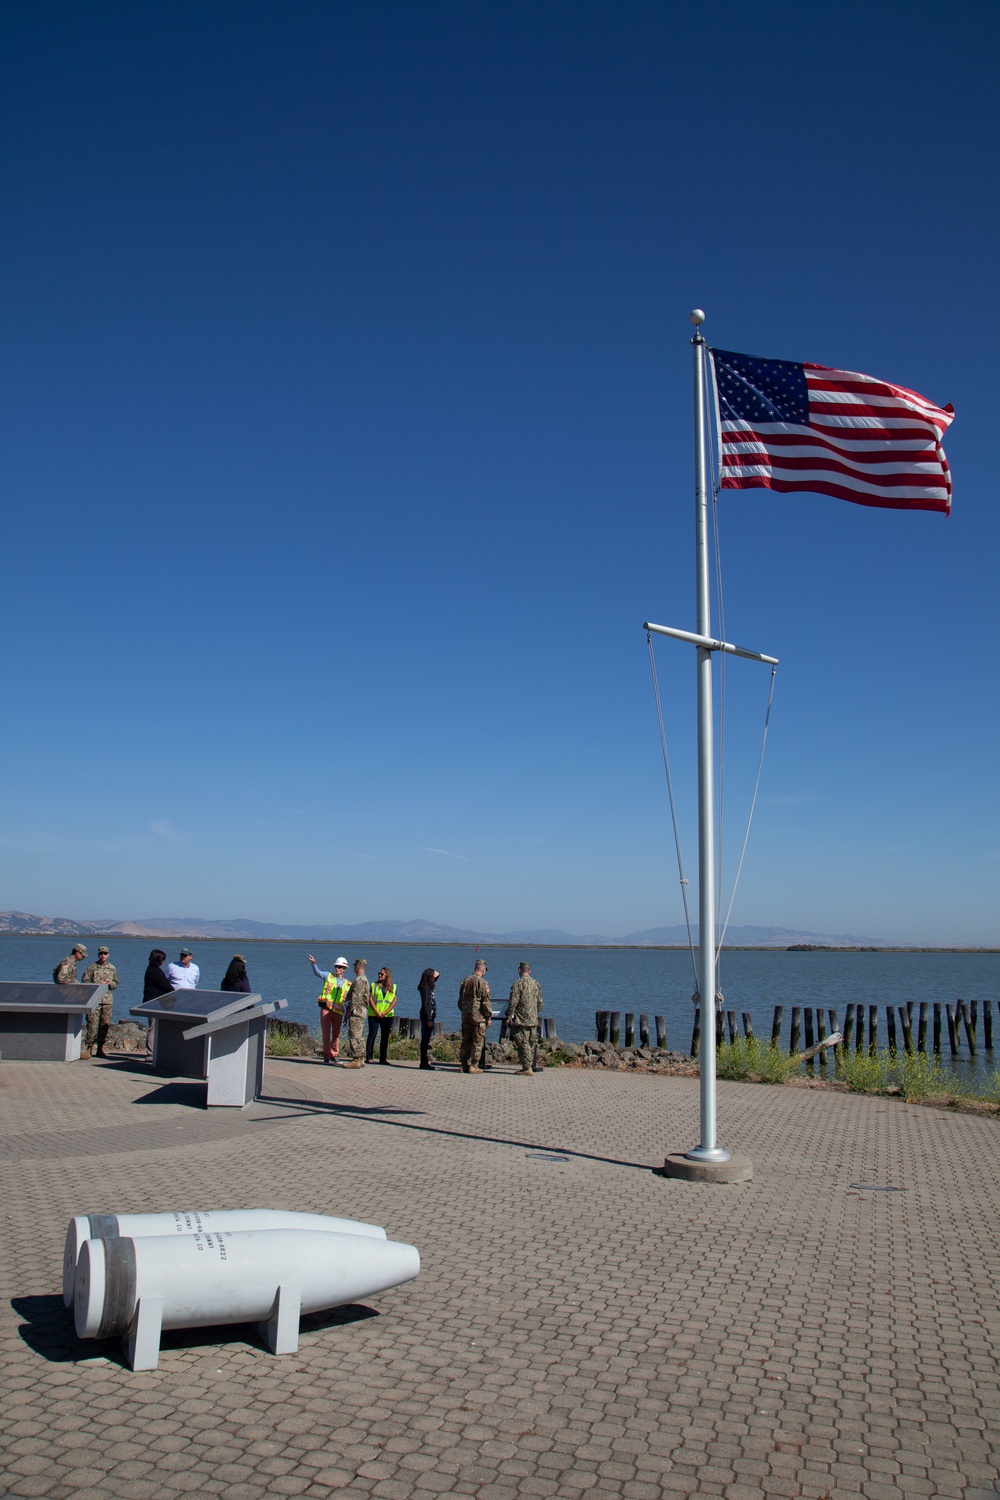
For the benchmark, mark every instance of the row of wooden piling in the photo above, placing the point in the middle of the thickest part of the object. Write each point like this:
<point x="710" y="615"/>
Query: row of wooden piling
<point x="917" y="1025"/>
<point x="609" y="1029"/>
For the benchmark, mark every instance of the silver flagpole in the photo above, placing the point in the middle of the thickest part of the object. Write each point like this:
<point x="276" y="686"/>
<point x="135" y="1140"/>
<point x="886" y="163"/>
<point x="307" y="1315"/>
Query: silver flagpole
<point x="708" y="1149"/>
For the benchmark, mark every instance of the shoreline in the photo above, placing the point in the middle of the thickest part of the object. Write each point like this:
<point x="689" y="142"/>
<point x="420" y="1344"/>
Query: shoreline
<point x="229" y="939"/>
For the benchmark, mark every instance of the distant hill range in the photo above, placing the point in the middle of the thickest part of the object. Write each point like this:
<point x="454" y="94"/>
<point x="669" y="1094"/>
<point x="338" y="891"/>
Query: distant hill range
<point x="416" y="931"/>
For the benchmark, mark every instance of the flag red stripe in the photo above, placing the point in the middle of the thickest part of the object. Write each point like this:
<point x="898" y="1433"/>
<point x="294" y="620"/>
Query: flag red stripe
<point x="821" y="487"/>
<point x="871" y="447"/>
<point x="929" y="474"/>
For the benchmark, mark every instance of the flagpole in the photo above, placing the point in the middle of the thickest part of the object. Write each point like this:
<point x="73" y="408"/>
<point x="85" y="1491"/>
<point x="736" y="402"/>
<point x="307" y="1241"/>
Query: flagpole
<point x="708" y="1148"/>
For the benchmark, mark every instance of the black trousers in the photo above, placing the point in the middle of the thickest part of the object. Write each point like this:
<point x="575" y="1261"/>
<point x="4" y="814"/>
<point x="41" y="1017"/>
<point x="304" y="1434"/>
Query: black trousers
<point x="376" y="1024"/>
<point x="426" y="1032"/>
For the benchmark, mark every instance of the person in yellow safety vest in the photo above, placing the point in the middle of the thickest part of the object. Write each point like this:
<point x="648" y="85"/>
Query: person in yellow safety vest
<point x="331" y="1005"/>
<point x="381" y="1004"/>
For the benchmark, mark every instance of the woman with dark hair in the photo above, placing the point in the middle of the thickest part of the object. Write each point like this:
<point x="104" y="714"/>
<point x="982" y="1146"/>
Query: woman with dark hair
<point x="381" y="1004"/>
<point x="428" y="1010"/>
<point x="154" y="984"/>
<point x="236" y="976"/>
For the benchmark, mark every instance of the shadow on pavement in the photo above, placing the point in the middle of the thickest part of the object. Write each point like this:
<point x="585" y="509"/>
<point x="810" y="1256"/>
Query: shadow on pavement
<point x="190" y="1093"/>
<point x="48" y="1330"/>
<point x="376" y="1116"/>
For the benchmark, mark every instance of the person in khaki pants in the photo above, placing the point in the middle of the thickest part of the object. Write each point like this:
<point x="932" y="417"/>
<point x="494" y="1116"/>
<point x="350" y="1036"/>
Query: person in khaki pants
<point x="477" y="1013"/>
<point x="355" y="1011"/>
<point x="523" y="1010"/>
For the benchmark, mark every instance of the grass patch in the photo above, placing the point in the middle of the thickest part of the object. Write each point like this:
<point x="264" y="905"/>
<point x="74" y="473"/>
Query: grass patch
<point x="403" y="1049"/>
<point x="283" y="1044"/>
<point x="750" y="1060"/>
<point x="446" y="1048"/>
<point x="912" y="1075"/>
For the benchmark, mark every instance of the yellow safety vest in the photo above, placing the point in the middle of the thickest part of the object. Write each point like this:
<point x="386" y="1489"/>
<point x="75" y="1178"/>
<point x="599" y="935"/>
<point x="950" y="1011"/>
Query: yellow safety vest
<point x="334" y="993"/>
<point x="381" y="1002"/>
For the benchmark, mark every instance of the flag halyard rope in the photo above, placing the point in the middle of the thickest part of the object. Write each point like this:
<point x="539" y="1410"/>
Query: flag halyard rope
<point x="673" y="808"/>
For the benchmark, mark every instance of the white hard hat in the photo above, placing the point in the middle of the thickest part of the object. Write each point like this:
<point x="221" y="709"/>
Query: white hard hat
<point x="339" y="962"/>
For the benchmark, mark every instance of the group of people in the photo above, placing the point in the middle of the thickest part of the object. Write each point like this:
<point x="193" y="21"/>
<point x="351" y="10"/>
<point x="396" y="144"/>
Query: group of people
<point x="160" y="978"/>
<point x="357" y="1001"/>
<point x="357" y="1010"/>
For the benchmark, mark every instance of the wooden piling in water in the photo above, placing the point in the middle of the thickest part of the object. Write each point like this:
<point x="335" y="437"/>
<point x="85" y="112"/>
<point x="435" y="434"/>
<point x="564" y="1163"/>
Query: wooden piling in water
<point x="872" y="1030"/>
<point x="834" y="1028"/>
<point x="909" y="1013"/>
<point x="793" y="1045"/>
<point x="988" y="1025"/>
<point x="922" y="1027"/>
<point x="779" y="1011"/>
<point x="603" y="1018"/>
<point x="821" y="1035"/>
<point x="748" y="1025"/>
<point x="696" y="1032"/>
<point x="905" y="1021"/>
<point x="643" y="1031"/>
<point x="630" y="1028"/>
<point x="890" y="1028"/>
<point x="615" y="1029"/>
<point x="937" y="1027"/>
<point x="848" y="1027"/>
<point x="859" y="1022"/>
<point x="661" y="1032"/>
<point x="731" y="1025"/>
<point x="970" y="1030"/>
<point x="974" y="1011"/>
<point x="952" y="1030"/>
<point x="549" y="1028"/>
<point x="807" y="1016"/>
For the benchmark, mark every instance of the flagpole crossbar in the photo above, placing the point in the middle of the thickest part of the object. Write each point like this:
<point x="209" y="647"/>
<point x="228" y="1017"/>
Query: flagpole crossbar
<point x="708" y="644"/>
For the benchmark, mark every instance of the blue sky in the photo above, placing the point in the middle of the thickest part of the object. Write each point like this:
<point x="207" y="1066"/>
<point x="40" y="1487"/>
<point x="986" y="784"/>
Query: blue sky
<point x="347" y="445"/>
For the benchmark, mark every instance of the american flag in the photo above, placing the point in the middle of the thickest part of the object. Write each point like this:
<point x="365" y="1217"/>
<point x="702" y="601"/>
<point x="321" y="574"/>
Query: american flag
<point x="786" y="426"/>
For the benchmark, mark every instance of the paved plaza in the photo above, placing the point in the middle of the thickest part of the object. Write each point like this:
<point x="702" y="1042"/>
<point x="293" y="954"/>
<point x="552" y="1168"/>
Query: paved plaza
<point x="580" y="1327"/>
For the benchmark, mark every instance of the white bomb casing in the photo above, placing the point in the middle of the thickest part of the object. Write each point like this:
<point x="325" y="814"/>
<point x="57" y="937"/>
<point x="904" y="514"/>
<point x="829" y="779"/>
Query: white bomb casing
<point x="193" y="1221"/>
<point x="230" y="1277"/>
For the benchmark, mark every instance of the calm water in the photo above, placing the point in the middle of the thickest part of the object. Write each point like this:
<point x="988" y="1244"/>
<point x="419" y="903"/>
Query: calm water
<point x="575" y="981"/>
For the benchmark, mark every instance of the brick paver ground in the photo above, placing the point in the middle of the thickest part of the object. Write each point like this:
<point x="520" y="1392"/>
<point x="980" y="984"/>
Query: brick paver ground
<point x="579" y="1328"/>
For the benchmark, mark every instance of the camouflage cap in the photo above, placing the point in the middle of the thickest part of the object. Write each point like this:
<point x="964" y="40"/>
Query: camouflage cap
<point x="80" y="948"/>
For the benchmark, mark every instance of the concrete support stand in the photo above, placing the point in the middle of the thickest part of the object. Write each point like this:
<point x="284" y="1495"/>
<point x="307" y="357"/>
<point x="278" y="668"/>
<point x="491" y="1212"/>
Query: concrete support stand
<point x="142" y="1342"/>
<point x="281" y="1332"/>
<point x="736" y="1169"/>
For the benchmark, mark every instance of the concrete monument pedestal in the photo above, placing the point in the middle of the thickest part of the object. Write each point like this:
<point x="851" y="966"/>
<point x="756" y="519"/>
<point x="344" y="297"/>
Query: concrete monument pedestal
<point x="212" y="1034"/>
<point x="44" y="1022"/>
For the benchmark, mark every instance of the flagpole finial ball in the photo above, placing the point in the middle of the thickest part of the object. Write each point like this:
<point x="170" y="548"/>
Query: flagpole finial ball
<point x="697" y="317"/>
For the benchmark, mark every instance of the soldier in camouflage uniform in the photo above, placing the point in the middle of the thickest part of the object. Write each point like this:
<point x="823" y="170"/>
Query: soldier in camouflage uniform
<point x="477" y="1013"/>
<point x="99" y="1019"/>
<point x="523" y="1010"/>
<point x="355" y="1013"/>
<point x="65" y="972"/>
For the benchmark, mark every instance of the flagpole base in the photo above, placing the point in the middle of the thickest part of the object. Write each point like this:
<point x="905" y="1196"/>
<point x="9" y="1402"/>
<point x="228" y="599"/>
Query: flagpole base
<point x="688" y="1169"/>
